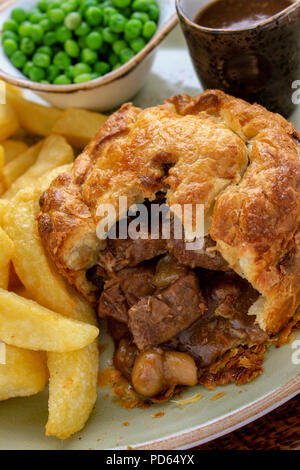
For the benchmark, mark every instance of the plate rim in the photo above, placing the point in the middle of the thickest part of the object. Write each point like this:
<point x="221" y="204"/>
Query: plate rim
<point x="228" y="423"/>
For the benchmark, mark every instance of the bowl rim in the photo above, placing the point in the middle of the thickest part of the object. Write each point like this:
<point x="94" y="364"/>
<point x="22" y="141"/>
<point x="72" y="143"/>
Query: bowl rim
<point x="122" y="71"/>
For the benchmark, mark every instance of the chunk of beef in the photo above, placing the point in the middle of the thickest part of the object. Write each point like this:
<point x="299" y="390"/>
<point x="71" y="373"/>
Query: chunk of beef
<point x="225" y="325"/>
<point x="124" y="289"/>
<point x="207" y="257"/>
<point x="117" y="330"/>
<point x="129" y="253"/>
<point x="157" y="318"/>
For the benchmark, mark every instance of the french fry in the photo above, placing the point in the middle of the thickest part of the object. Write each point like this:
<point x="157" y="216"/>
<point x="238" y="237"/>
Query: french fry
<point x="13" y="89"/>
<point x="17" y="167"/>
<point x="73" y="386"/>
<point x="6" y="248"/>
<point x="33" y="117"/>
<point x="14" y="283"/>
<point x="55" y="152"/>
<point x="4" y="277"/>
<point x="72" y="390"/>
<point x="8" y="121"/>
<point x="23" y="374"/>
<point x="6" y="252"/>
<point x="78" y="126"/>
<point x="12" y="149"/>
<point x="26" y="324"/>
<point x="3" y="208"/>
<point x="35" y="270"/>
<point x="2" y="182"/>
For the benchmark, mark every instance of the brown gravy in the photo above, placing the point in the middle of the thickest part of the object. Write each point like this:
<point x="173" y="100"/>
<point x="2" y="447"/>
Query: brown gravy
<point x="239" y="14"/>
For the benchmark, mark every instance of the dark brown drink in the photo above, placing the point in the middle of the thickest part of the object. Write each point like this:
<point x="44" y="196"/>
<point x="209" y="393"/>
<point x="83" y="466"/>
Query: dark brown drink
<point x="239" y="14"/>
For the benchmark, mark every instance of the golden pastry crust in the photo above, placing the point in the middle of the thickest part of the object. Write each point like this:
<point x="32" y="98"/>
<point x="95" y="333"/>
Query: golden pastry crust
<point x="239" y="160"/>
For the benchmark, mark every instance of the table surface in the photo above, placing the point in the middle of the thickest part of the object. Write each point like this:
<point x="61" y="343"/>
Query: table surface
<point x="279" y="430"/>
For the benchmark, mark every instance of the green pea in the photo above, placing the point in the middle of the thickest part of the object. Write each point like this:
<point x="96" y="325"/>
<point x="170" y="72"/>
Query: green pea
<point x="89" y="56"/>
<point x="83" y="29"/>
<point x="41" y="60"/>
<point x="140" y="5"/>
<point x="73" y="20"/>
<point x="117" y="23"/>
<point x="56" y="15"/>
<point x="69" y="5"/>
<point x="109" y="36"/>
<point x="93" y="15"/>
<point x="133" y="29"/>
<point x="45" y="82"/>
<point x="36" y="33"/>
<point x="55" y="4"/>
<point x="69" y="71"/>
<point x="62" y="60"/>
<point x="27" y="46"/>
<point x="26" y="68"/>
<point x="35" y="16"/>
<point x="86" y="4"/>
<point x="104" y="49"/>
<point x="85" y="77"/>
<point x="153" y="12"/>
<point x="107" y="13"/>
<point x="137" y="44"/>
<point x="94" y="40"/>
<point x="9" y="35"/>
<point x="52" y="72"/>
<point x="36" y="74"/>
<point x="19" y="15"/>
<point x="62" y="80"/>
<point x="82" y="42"/>
<point x="10" y="46"/>
<point x="94" y="76"/>
<point x="113" y="59"/>
<point x="50" y="38"/>
<point x="125" y="55"/>
<point x="46" y="24"/>
<point x="149" y="29"/>
<point x="118" y="46"/>
<point x="18" y="59"/>
<point x="25" y="29"/>
<point x="121" y="3"/>
<point x="10" y="25"/>
<point x="43" y="5"/>
<point x="106" y="3"/>
<point x="63" y="34"/>
<point x="126" y="12"/>
<point x="45" y="50"/>
<point x="140" y="15"/>
<point x="80" y="68"/>
<point x="116" y="66"/>
<point x="101" y="68"/>
<point x="72" y="48"/>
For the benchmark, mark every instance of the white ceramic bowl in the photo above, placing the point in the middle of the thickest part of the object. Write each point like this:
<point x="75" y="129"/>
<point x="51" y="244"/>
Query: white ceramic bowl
<point x="104" y="93"/>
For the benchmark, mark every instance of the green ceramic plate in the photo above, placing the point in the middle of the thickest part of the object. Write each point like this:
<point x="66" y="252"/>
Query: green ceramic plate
<point x="22" y="421"/>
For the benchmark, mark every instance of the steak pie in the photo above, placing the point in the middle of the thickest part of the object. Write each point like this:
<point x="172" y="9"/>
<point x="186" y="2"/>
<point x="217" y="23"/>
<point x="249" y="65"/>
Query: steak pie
<point x="179" y="316"/>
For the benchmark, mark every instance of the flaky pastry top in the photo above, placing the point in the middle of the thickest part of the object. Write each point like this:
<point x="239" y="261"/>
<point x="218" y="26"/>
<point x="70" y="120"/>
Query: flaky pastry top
<point x="238" y="160"/>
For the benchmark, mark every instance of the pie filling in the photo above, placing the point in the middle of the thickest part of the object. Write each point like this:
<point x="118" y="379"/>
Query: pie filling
<point x="177" y="317"/>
